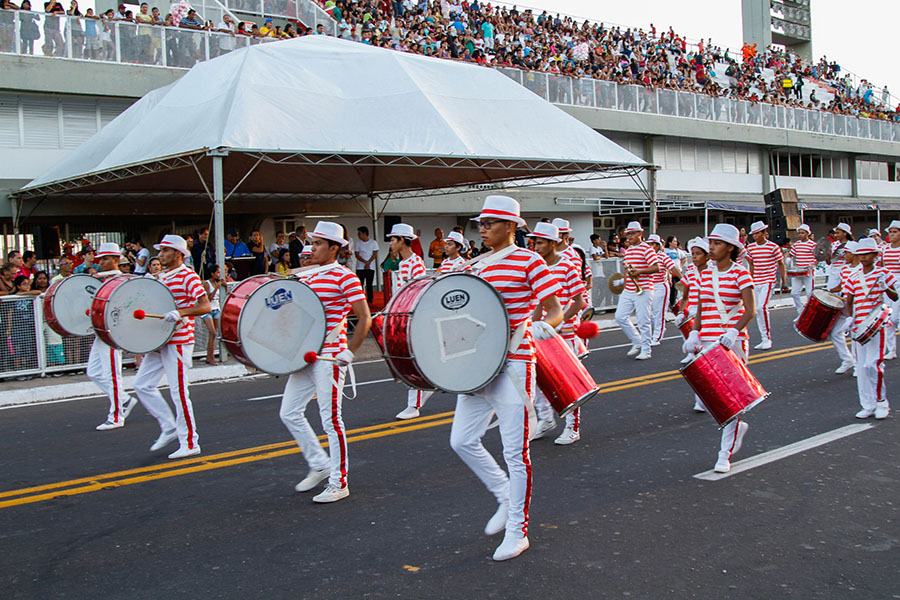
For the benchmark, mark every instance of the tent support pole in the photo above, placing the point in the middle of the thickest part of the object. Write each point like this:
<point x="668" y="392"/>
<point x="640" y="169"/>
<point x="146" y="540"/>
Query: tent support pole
<point x="706" y="218"/>
<point x="219" y="227"/>
<point x="878" y="215"/>
<point x="651" y="189"/>
<point x="374" y="215"/>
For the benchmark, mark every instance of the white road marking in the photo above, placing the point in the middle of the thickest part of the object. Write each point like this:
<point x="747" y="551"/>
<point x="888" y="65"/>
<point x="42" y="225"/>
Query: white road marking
<point x="358" y="384"/>
<point x="785" y="451"/>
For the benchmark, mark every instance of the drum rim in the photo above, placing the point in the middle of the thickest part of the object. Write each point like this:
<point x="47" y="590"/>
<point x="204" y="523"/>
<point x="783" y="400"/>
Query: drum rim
<point x="743" y="411"/>
<point x="818" y="293"/>
<point x="51" y="316"/>
<point x="121" y="279"/>
<point x="869" y="332"/>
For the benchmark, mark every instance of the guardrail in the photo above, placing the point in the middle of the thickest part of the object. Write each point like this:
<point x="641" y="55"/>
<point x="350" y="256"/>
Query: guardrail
<point x="308" y="13"/>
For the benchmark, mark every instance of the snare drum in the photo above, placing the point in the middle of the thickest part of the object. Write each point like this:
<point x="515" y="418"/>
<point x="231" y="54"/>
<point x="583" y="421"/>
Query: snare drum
<point x="112" y="313"/>
<point x="448" y="332"/>
<point x="685" y="323"/>
<point x="793" y="270"/>
<point x="561" y="376"/>
<point x="872" y="324"/>
<point x="818" y="317"/>
<point x="724" y="383"/>
<point x="67" y="305"/>
<point x="269" y="323"/>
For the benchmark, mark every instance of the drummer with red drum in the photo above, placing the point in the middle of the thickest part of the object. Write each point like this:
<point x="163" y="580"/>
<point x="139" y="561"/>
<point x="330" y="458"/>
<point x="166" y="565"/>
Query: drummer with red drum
<point x="575" y="255"/>
<point x="726" y="304"/>
<point x="890" y="256"/>
<point x="699" y="249"/>
<point x="567" y="276"/>
<point x="411" y="266"/>
<point x="839" y="331"/>
<point x="843" y="234"/>
<point x="453" y="262"/>
<point x="641" y="262"/>
<point x="864" y="291"/>
<point x="174" y="359"/>
<point x="523" y="281"/>
<point x="104" y="366"/>
<point x="804" y="262"/>
<point x="765" y="259"/>
<point x="341" y="292"/>
<point x="662" y="289"/>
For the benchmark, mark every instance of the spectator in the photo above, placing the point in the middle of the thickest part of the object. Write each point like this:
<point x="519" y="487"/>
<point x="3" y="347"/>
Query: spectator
<point x="268" y="29"/>
<point x="87" y="261"/>
<point x="75" y="28"/>
<point x="92" y="43"/>
<point x="7" y="276"/>
<point x="229" y="269"/>
<point x="597" y="250"/>
<point x="65" y="269"/>
<point x="19" y="321"/>
<point x="366" y="254"/>
<point x="41" y="281"/>
<point x="283" y="268"/>
<point x="278" y="247"/>
<point x="258" y="249"/>
<point x="28" y="29"/>
<point x="436" y="248"/>
<point x="614" y="246"/>
<point x="22" y="286"/>
<point x="202" y="252"/>
<point x="139" y="254"/>
<point x="213" y="285"/>
<point x="154" y="267"/>
<point x="295" y="248"/>
<point x="227" y="42"/>
<point x="189" y="260"/>
<point x="29" y="260"/>
<point x="144" y="20"/>
<point x="53" y="40"/>
<point x="234" y="247"/>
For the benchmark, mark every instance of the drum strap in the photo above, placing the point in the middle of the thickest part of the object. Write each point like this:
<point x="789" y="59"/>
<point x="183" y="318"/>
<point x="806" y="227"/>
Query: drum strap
<point x="167" y="274"/>
<point x="724" y="316"/>
<point x="490" y="258"/>
<point x="529" y="405"/>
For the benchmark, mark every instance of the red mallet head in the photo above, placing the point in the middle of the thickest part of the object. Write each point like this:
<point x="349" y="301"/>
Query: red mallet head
<point x="310" y="357"/>
<point x="587" y="330"/>
<point x="139" y="314"/>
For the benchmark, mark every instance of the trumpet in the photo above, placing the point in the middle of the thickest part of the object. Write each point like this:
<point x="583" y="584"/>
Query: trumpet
<point x="630" y="272"/>
<point x="616" y="282"/>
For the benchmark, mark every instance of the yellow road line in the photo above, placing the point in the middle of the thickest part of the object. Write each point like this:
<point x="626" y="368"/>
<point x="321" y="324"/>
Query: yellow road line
<point x="237" y="457"/>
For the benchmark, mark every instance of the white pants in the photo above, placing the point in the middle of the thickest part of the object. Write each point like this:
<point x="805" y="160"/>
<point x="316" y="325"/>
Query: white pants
<point x="763" y="293"/>
<point x="834" y="277"/>
<point x="870" y="371"/>
<point x="838" y="337"/>
<point x="729" y="432"/>
<point x="891" y="333"/>
<point x="640" y="305"/>
<point x="318" y="380"/>
<point x="658" y="313"/>
<point x="104" y="368"/>
<point x="545" y="410"/>
<point x="798" y="286"/>
<point x="417" y="398"/>
<point x="503" y="396"/>
<point x="173" y="361"/>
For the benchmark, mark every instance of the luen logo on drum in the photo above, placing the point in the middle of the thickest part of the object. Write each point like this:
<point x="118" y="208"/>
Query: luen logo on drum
<point x="455" y="299"/>
<point x="279" y="298"/>
<point x="90" y="289"/>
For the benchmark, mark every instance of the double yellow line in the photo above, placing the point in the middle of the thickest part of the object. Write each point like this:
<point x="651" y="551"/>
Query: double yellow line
<point x="86" y="485"/>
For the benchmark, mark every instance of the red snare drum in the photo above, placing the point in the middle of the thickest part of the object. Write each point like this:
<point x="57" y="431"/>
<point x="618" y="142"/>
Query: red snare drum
<point x="685" y="323"/>
<point x="112" y="313"/>
<point x="448" y="332"/>
<point x="724" y="383"/>
<point x="67" y="305"/>
<point x="377" y="329"/>
<point x="270" y="323"/>
<point x="792" y="270"/>
<point x="872" y="324"/>
<point x="561" y="376"/>
<point x="818" y="317"/>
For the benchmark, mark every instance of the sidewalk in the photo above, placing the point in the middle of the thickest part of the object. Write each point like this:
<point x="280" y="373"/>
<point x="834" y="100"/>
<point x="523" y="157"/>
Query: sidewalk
<point x="45" y="389"/>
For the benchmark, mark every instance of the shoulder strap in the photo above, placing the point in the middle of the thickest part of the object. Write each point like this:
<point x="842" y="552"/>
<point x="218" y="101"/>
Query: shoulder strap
<point x="724" y="316"/>
<point x="491" y="257"/>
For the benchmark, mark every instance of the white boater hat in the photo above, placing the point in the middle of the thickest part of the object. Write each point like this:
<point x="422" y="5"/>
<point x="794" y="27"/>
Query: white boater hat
<point x="173" y="241"/>
<point x="874" y="232"/>
<point x="655" y="239"/>
<point x="108" y="249"/>
<point x="455" y="236"/>
<point x="728" y="234"/>
<point x="865" y="246"/>
<point x="402" y="230"/>
<point x="562" y="225"/>
<point x="633" y="227"/>
<point x="757" y="227"/>
<point x="893" y="225"/>
<point x="844" y="227"/>
<point x="307" y="250"/>
<point x="850" y="247"/>
<point x="328" y="230"/>
<point x="503" y="208"/>
<point x="805" y="228"/>
<point x="547" y="231"/>
<point x="698" y="242"/>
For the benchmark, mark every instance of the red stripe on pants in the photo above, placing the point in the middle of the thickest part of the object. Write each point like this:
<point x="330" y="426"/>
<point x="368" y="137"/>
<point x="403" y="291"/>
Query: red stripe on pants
<point x="184" y="406"/>
<point x="115" y="383"/>
<point x="879" y="366"/>
<point x="336" y="423"/>
<point x="765" y="309"/>
<point x="526" y="454"/>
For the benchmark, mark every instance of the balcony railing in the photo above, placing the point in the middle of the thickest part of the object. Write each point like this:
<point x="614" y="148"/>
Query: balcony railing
<point x="308" y="13"/>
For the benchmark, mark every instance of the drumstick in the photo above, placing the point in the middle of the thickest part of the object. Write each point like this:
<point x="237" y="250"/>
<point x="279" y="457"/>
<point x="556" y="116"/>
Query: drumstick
<point x="140" y="315"/>
<point x="311" y="357"/>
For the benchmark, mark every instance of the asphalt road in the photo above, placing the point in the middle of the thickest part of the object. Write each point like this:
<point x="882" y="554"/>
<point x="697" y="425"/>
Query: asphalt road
<point x="87" y="514"/>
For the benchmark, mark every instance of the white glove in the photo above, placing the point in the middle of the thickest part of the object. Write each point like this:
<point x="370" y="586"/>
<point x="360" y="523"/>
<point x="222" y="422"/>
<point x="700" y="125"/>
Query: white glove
<point x="172" y="316"/>
<point x="729" y="338"/>
<point x="344" y="357"/>
<point x="692" y="342"/>
<point x="541" y="330"/>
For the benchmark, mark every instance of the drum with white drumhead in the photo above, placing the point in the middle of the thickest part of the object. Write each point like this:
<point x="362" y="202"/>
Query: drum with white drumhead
<point x="67" y="305"/>
<point x="113" y="313"/>
<point x="270" y="323"/>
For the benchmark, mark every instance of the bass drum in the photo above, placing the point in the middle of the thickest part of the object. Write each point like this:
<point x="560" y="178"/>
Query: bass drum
<point x="112" y="313"/>
<point x="67" y="305"/>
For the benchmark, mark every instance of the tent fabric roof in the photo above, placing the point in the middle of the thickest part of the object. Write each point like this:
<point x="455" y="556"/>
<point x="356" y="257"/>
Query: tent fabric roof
<point x="346" y="117"/>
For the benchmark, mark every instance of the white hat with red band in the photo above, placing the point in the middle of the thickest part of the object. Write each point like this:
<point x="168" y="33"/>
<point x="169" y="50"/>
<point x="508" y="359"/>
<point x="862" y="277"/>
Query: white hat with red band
<point x="173" y="241"/>
<point x="865" y="246"/>
<point x="633" y="227"/>
<point x="547" y="231"/>
<point x="850" y="247"/>
<point x="698" y="242"/>
<point x="455" y="236"/>
<point x="307" y="250"/>
<point x="805" y="228"/>
<point x="403" y="230"/>
<point x="328" y="230"/>
<point x="758" y="226"/>
<point x="893" y="225"/>
<point x="727" y="233"/>
<point x="844" y="227"/>
<point x="562" y="225"/>
<point x="655" y="239"/>
<point x="108" y="249"/>
<point x="503" y="208"/>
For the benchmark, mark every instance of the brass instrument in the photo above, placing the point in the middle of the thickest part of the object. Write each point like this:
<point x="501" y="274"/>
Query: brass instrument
<point x="616" y="282"/>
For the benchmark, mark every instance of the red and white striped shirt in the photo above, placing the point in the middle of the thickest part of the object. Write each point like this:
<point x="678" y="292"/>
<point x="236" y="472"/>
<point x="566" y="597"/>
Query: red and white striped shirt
<point x="523" y="281"/>
<point x="837" y="254"/>
<point x="665" y="263"/>
<point x="187" y="287"/>
<point x="337" y="288"/>
<point x="802" y="253"/>
<point x="641" y="256"/>
<point x="731" y="283"/>
<point x="410" y="268"/>
<point x="452" y="265"/>
<point x="867" y="290"/>
<point x="765" y="259"/>
<point x="568" y="276"/>
<point x="572" y="254"/>
<point x="691" y="279"/>
<point x="890" y="256"/>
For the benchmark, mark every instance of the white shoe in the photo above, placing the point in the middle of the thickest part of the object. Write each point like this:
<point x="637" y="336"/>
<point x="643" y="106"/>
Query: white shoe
<point x="543" y="428"/>
<point x="128" y="407"/>
<point x="568" y="436"/>
<point x="764" y="345"/>
<point x="163" y="440"/>
<point x="865" y="413"/>
<point x="890" y="355"/>
<point x="687" y="358"/>
<point x="332" y="494"/>
<point x="854" y="371"/>
<point x="882" y="410"/>
<point x="410" y="412"/>
<point x="739" y="440"/>
<point x="699" y="408"/>
<point x="634" y="350"/>
<point x="642" y="356"/>
<point x="184" y="452"/>
<point x="497" y="523"/>
<point x="654" y="343"/>
<point x="723" y="465"/>
<point x="111" y="425"/>
<point x="312" y="479"/>
<point x="511" y="547"/>
<point x="845" y="366"/>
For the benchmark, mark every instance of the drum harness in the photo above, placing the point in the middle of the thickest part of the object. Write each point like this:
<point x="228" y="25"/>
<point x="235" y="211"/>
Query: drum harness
<point x="725" y="316"/>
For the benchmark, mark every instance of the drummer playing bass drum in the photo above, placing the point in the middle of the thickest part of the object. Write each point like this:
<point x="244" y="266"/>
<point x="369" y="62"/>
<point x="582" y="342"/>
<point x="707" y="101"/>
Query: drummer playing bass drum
<point x="725" y="306"/>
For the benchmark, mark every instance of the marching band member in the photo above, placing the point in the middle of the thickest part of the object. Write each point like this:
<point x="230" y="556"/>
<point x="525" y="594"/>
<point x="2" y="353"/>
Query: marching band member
<point x="699" y="249"/>
<point x="725" y="307"/>
<point x="454" y="243"/>
<point x="838" y="334"/>
<point x="574" y="254"/>
<point x="662" y="288"/>
<point x="174" y="359"/>
<point x="864" y="291"/>
<point x="890" y="257"/>
<point x="411" y="266"/>
<point x="640" y="263"/>
<point x="546" y="237"/>
<point x="523" y="281"/>
<point x="804" y="260"/>
<point x="104" y="366"/>
<point x="764" y="257"/>
<point x="836" y="263"/>
<point x="340" y="291"/>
